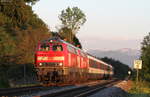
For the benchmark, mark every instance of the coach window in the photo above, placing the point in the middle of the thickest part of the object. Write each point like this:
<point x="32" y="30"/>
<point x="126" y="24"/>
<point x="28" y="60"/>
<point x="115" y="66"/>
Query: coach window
<point x="44" y="47"/>
<point x="102" y="66"/>
<point x="108" y="68"/>
<point x="57" y="48"/>
<point x="95" y="64"/>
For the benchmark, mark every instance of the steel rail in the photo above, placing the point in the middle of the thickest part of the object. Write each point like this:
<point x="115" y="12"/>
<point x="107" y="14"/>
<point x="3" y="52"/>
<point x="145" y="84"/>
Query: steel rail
<point x="19" y="90"/>
<point x="82" y="91"/>
<point x="92" y="91"/>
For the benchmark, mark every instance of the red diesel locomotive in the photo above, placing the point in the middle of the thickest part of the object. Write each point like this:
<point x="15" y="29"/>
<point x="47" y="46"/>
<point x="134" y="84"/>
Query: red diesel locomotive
<point x="57" y="61"/>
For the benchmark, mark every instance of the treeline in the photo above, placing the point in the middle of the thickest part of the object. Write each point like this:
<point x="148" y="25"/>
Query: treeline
<point x="120" y="69"/>
<point x="145" y="57"/>
<point x="20" y="31"/>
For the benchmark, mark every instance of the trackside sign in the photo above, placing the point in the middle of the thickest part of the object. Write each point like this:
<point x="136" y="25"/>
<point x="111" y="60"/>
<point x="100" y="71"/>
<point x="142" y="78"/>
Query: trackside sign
<point x="137" y="64"/>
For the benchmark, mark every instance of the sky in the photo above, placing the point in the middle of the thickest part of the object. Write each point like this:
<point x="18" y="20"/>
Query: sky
<point x="110" y="25"/>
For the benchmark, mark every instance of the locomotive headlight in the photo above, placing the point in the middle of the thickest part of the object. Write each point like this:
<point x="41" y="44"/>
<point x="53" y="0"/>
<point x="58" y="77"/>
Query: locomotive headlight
<point x="51" y="40"/>
<point x="60" y="64"/>
<point x="40" y="64"/>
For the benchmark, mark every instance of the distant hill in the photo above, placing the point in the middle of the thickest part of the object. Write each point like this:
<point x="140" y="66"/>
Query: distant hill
<point x="125" y="55"/>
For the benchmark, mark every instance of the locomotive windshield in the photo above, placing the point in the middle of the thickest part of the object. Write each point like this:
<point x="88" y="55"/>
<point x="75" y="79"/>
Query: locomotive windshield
<point x="44" y="47"/>
<point x="57" y="48"/>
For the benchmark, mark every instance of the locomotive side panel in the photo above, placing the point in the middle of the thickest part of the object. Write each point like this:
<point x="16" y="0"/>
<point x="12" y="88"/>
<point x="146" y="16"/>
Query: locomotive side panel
<point x="76" y="64"/>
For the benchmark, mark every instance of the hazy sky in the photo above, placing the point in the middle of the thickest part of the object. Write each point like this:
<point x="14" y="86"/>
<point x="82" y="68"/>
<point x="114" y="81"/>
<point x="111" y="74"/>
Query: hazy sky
<point x="111" y="24"/>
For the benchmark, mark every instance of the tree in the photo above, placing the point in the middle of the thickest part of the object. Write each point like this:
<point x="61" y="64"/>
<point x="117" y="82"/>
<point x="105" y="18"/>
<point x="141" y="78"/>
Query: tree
<point x="22" y="26"/>
<point x="145" y="56"/>
<point x="20" y="31"/>
<point x="31" y="1"/>
<point x="120" y="69"/>
<point x="67" y="35"/>
<point x="77" y="42"/>
<point x="72" y="18"/>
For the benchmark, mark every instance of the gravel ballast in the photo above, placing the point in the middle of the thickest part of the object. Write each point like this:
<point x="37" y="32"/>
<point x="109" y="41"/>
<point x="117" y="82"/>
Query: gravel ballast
<point x="118" y="90"/>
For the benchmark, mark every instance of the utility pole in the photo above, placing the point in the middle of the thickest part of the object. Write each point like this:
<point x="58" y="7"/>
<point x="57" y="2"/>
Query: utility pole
<point x="137" y="75"/>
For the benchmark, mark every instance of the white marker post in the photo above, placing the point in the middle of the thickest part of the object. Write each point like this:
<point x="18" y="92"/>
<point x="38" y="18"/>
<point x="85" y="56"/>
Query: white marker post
<point x="137" y="66"/>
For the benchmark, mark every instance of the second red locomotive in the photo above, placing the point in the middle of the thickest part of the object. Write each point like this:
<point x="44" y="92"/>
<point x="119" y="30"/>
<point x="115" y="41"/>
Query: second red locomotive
<point x="57" y="61"/>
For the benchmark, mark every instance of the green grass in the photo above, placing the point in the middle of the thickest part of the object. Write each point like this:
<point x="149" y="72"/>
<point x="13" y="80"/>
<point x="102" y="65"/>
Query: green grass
<point x="139" y="95"/>
<point x="26" y="85"/>
<point x="4" y="83"/>
<point x="140" y="89"/>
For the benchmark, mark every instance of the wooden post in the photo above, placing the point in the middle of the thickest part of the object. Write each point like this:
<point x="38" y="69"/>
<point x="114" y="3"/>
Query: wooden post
<point x="137" y="75"/>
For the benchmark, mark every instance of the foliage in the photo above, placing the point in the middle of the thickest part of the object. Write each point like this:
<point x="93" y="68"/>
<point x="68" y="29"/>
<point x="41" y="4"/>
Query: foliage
<point x="145" y="56"/>
<point x="4" y="83"/>
<point x="76" y="42"/>
<point x="72" y="18"/>
<point x="140" y="89"/>
<point x="120" y="69"/>
<point x="20" y="31"/>
<point x="66" y="34"/>
<point x="6" y="43"/>
<point x="31" y="1"/>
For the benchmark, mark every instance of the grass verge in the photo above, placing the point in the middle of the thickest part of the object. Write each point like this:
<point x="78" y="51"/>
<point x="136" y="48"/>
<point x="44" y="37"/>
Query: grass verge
<point x="140" y="89"/>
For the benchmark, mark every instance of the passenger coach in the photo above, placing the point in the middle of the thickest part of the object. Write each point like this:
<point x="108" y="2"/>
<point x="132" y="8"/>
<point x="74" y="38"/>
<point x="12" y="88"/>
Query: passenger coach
<point x="99" y="69"/>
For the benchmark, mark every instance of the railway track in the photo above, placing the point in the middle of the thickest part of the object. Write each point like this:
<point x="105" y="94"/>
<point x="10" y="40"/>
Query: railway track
<point x="19" y="91"/>
<point x="82" y="91"/>
<point x="31" y="91"/>
<point x="79" y="91"/>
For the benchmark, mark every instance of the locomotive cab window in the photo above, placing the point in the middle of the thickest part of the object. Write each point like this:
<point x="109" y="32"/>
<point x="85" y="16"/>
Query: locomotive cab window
<point x="72" y="50"/>
<point x="57" y="48"/>
<point x="44" y="47"/>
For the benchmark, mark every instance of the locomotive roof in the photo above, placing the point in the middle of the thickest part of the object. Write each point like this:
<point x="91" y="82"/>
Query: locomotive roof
<point x="58" y="39"/>
<point x="53" y="38"/>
